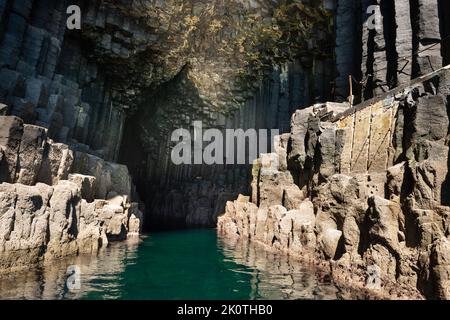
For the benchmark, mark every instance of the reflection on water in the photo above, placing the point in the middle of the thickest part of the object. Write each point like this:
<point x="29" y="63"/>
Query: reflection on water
<point x="277" y="276"/>
<point x="99" y="273"/>
<point x="176" y="265"/>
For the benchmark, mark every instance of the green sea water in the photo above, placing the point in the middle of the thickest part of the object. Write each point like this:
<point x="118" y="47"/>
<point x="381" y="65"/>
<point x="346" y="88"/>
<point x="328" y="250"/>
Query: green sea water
<point x="173" y="265"/>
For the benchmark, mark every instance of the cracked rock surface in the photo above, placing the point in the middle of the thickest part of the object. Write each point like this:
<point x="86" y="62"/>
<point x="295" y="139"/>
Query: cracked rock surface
<point x="375" y="185"/>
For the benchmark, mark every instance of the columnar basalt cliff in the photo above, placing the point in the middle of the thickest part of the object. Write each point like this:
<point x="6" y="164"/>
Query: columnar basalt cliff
<point x="363" y="190"/>
<point x="76" y="101"/>
<point x="357" y="188"/>
<point x="243" y="69"/>
<point x="360" y="189"/>
<point x="61" y="122"/>
<point x="137" y="70"/>
<point x="384" y="44"/>
<point x="194" y="195"/>
<point x="53" y="202"/>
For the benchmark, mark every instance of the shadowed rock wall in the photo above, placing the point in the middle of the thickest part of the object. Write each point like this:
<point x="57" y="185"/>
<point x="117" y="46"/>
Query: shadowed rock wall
<point x="384" y="44"/>
<point x="193" y="195"/>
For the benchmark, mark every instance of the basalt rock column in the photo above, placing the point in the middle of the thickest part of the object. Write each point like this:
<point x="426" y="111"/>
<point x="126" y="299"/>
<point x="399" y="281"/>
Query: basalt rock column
<point x="375" y="202"/>
<point x="348" y="45"/>
<point x="394" y="42"/>
<point x="222" y="92"/>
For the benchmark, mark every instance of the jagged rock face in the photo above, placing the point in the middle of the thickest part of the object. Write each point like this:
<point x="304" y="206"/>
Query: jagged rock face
<point x="29" y="157"/>
<point x="376" y="186"/>
<point x="44" y="222"/>
<point x="50" y="206"/>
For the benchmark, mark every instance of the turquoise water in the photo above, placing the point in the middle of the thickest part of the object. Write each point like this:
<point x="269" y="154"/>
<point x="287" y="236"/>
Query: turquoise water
<point x="174" y="265"/>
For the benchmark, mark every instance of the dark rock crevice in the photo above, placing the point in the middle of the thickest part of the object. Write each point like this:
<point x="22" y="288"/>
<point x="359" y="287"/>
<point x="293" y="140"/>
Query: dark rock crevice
<point x="390" y="34"/>
<point x="444" y="13"/>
